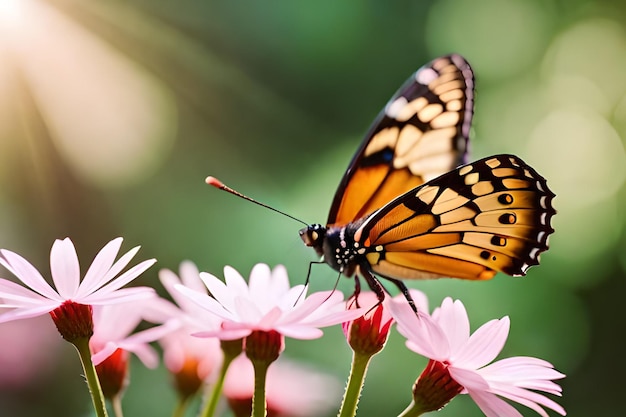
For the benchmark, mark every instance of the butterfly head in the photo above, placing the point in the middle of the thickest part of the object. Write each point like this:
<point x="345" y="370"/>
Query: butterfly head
<point x="313" y="236"/>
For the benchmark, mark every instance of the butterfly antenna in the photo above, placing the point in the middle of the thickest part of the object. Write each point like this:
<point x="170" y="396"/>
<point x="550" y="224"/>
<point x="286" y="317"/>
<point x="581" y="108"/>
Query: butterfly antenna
<point x="219" y="184"/>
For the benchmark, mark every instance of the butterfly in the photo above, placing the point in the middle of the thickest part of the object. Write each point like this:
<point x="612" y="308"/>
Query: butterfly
<point x="410" y="207"/>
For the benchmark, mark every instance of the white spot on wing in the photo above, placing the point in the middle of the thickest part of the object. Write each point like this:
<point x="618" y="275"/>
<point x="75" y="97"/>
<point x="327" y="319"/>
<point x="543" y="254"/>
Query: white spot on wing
<point x="426" y="76"/>
<point x="393" y="109"/>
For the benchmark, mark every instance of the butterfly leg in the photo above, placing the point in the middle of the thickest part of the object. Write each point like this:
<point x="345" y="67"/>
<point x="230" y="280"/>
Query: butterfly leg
<point x="308" y="277"/>
<point x="357" y="291"/>
<point x="373" y="283"/>
<point x="405" y="292"/>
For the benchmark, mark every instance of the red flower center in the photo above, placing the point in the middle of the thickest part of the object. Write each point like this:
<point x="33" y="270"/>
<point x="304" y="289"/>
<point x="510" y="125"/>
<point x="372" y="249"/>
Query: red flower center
<point x="435" y="387"/>
<point x="73" y="320"/>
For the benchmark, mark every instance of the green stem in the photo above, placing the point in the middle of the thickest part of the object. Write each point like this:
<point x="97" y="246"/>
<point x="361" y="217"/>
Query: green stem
<point x="82" y="346"/>
<point x="216" y="393"/>
<point x="352" y="394"/>
<point x="181" y="406"/>
<point x="412" y="411"/>
<point x="117" y="406"/>
<point x="259" y="405"/>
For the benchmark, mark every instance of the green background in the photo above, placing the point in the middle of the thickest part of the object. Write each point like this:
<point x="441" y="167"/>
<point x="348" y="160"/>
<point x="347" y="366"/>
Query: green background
<point x="113" y="112"/>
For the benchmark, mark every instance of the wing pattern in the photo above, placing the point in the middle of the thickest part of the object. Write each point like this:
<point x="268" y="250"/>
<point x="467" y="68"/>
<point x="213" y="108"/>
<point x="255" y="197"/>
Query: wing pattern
<point x="421" y="133"/>
<point x="488" y="216"/>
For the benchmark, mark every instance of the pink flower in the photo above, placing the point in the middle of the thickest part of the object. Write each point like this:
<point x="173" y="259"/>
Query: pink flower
<point x="459" y="363"/>
<point x="267" y="304"/>
<point x="113" y="340"/>
<point x="100" y="285"/>
<point x="293" y="390"/>
<point x="191" y="360"/>
<point x="113" y="329"/>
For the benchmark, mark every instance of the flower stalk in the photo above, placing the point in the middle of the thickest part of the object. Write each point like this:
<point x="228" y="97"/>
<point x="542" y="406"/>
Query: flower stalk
<point x="231" y="349"/>
<point x="82" y="346"/>
<point x="352" y="394"/>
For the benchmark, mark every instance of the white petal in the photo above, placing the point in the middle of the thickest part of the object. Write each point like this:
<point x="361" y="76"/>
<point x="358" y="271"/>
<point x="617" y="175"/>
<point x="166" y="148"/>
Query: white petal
<point x="19" y="296"/>
<point x="28" y="312"/>
<point x="123" y="295"/>
<point x="108" y="349"/>
<point x="484" y="345"/>
<point x="530" y="399"/>
<point x="235" y="282"/>
<point x="280" y="280"/>
<point x="206" y="302"/>
<point x="268" y="321"/>
<point x="493" y="406"/>
<point x="423" y="333"/>
<point x="100" y="281"/>
<point x="125" y="278"/>
<point x="190" y="276"/>
<point x="469" y="379"/>
<point x="300" y="332"/>
<point x="246" y="312"/>
<point x="260" y="286"/>
<point x="99" y="267"/>
<point x="27" y="273"/>
<point x="146" y="354"/>
<point x="64" y="267"/>
<point x="218" y="290"/>
<point x="453" y="320"/>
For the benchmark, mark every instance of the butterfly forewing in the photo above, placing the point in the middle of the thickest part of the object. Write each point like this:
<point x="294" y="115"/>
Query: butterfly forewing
<point x="489" y="216"/>
<point x="421" y="133"/>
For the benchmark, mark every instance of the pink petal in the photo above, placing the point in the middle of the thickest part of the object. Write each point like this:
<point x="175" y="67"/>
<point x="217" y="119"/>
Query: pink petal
<point x="126" y="277"/>
<point x="102" y="263"/>
<point x="423" y="334"/>
<point x="19" y="296"/>
<point x="64" y="267"/>
<point x="246" y="312"/>
<point x="123" y="295"/>
<point x="453" y="320"/>
<point x="190" y="276"/>
<point x="28" y="312"/>
<point x="301" y="332"/>
<point x="270" y="318"/>
<point x="493" y="406"/>
<point x="527" y="398"/>
<point x="235" y="282"/>
<point x="260" y="284"/>
<point x="469" y="379"/>
<point x="280" y="280"/>
<point x="206" y="302"/>
<point x="484" y="345"/>
<point x="27" y="273"/>
<point x="521" y="369"/>
<point x="225" y="334"/>
<point x="219" y="291"/>
<point x="146" y="354"/>
<point x="293" y="297"/>
<point x="99" y="357"/>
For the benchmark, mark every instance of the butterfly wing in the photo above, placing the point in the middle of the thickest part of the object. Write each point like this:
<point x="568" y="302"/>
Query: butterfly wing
<point x="421" y="133"/>
<point x="488" y="216"/>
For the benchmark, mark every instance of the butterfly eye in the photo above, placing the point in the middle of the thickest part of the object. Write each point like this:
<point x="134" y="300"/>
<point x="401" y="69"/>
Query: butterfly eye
<point x="311" y="235"/>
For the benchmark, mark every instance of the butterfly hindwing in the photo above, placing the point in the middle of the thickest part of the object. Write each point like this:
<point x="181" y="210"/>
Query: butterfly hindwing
<point x="489" y="216"/>
<point x="421" y="133"/>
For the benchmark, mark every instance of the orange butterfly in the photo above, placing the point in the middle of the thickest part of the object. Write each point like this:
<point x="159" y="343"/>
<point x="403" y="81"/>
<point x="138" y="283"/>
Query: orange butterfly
<point x="405" y="209"/>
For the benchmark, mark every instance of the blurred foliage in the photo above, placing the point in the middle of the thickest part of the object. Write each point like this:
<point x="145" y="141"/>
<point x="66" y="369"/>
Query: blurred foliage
<point x="112" y="114"/>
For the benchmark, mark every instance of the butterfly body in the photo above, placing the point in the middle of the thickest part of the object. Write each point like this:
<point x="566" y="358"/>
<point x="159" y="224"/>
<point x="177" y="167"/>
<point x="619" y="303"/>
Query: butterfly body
<point x="410" y="207"/>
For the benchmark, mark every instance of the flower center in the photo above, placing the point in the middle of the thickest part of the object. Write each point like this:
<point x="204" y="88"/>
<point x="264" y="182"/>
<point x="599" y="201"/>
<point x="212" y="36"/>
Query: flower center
<point x="435" y="387"/>
<point x="73" y="320"/>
